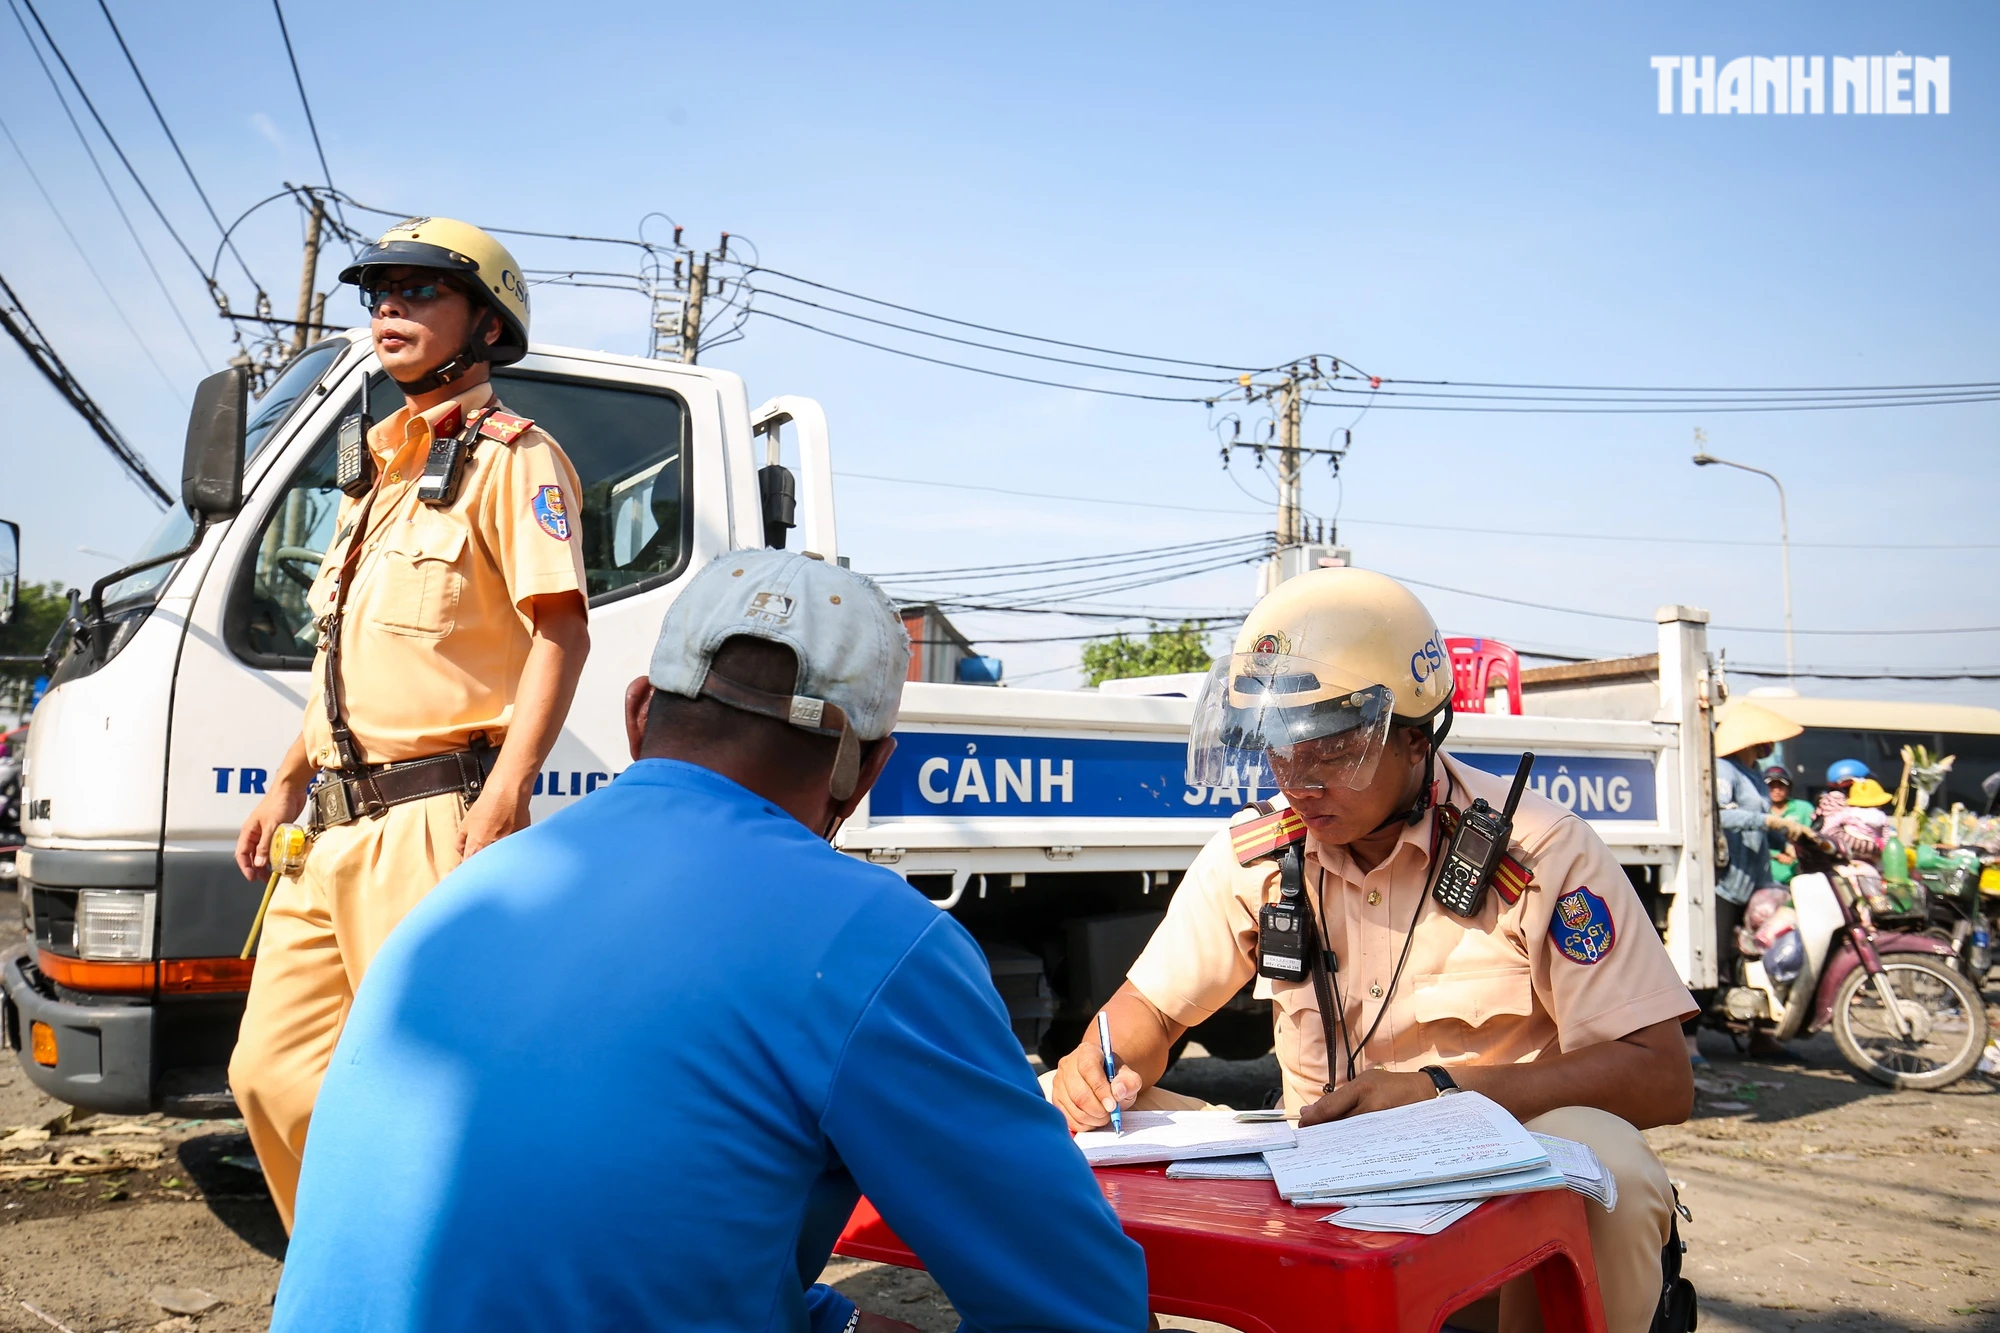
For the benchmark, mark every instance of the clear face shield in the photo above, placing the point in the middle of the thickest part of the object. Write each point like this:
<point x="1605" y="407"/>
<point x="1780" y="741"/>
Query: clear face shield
<point x="1274" y="720"/>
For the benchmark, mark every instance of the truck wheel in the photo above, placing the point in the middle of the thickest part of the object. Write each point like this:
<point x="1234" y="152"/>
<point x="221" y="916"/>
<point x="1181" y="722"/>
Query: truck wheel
<point x="1946" y="1014"/>
<point x="1230" y="1035"/>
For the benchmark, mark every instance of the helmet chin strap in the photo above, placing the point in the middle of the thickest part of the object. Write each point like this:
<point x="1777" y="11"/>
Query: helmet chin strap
<point x="1418" y="808"/>
<point x="468" y="356"/>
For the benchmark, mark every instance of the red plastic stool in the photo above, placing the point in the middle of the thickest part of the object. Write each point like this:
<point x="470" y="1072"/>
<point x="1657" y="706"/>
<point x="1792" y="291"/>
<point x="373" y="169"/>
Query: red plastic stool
<point x="1473" y="663"/>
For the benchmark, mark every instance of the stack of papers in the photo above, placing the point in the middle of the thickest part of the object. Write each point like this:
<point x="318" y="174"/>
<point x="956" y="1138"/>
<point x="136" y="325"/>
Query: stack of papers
<point x="1414" y="1220"/>
<point x="1451" y="1148"/>
<point x="1221" y="1168"/>
<point x="1581" y="1170"/>
<point x="1179" y="1136"/>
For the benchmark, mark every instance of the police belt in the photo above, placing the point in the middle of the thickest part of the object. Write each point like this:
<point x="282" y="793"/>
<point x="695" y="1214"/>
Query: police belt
<point x="341" y="796"/>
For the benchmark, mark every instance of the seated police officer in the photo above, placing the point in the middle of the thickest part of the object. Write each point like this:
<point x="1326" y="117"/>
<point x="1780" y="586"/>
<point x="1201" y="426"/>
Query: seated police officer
<point x="757" y="1026"/>
<point x="1551" y="993"/>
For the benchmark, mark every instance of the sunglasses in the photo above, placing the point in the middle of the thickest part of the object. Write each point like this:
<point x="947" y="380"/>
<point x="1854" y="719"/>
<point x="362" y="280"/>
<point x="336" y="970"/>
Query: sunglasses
<point x="410" y="293"/>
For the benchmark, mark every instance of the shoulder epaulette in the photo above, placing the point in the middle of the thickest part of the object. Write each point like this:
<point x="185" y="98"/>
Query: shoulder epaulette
<point x="1511" y="878"/>
<point x="1265" y="836"/>
<point x="502" y="427"/>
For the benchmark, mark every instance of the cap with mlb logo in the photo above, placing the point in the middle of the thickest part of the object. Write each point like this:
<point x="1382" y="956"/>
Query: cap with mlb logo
<point x="852" y="649"/>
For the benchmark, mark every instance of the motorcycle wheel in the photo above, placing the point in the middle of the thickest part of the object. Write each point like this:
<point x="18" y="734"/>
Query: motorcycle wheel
<point x="1947" y="1014"/>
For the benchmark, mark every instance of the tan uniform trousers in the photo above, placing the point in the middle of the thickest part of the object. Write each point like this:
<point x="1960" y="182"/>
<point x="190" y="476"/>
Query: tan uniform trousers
<point x="322" y="931"/>
<point x="1626" y="1244"/>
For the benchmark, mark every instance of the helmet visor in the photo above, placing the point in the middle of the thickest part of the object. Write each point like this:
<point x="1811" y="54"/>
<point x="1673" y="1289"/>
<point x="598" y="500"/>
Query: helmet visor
<point x="1274" y="720"/>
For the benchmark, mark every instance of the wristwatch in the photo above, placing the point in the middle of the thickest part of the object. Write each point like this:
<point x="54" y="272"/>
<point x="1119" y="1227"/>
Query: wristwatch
<point x="1442" y="1080"/>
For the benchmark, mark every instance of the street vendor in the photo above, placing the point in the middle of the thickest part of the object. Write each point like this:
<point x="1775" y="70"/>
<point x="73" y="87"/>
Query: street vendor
<point x="1553" y="996"/>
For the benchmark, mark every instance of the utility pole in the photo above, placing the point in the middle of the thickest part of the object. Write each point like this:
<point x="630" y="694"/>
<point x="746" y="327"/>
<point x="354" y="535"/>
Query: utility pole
<point x="310" y="310"/>
<point x="691" y="310"/>
<point x="1297" y="547"/>
<point x="1289" y="525"/>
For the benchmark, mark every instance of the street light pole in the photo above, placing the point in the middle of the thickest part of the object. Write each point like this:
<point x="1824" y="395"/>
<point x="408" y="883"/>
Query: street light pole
<point x="1702" y="458"/>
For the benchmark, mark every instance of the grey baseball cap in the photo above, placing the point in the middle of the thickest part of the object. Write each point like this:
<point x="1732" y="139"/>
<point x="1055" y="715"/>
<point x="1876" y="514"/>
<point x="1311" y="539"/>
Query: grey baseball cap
<point x="853" y="651"/>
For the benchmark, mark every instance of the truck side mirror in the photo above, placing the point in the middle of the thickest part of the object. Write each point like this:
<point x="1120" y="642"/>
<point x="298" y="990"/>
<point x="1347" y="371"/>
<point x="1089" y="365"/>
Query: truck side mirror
<point x="10" y="570"/>
<point x="212" y="465"/>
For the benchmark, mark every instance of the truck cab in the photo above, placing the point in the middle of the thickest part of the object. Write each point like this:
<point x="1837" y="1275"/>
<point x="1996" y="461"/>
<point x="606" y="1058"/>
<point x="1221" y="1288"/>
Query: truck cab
<point x="165" y="714"/>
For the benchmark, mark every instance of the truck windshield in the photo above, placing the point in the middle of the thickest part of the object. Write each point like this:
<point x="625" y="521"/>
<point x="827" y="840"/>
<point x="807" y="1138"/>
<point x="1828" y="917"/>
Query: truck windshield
<point x="270" y="412"/>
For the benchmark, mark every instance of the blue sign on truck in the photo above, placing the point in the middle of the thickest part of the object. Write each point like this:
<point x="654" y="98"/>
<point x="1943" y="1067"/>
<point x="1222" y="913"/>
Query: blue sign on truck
<point x="955" y="774"/>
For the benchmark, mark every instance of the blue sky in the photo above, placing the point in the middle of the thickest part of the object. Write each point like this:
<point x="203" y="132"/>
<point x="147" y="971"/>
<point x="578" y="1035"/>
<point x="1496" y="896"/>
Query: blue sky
<point x="1429" y="192"/>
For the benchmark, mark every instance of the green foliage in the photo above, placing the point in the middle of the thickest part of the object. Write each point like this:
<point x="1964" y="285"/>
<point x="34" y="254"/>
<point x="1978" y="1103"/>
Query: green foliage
<point x="1165" y="651"/>
<point x="43" y="607"/>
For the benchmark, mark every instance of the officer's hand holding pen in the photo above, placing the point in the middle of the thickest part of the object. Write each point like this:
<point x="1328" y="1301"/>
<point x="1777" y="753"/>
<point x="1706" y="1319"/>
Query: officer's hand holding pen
<point x="1081" y="1091"/>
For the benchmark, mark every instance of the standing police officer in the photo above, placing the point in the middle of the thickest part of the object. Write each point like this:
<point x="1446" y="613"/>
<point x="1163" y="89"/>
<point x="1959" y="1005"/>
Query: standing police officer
<point x="1553" y="996"/>
<point x="453" y="628"/>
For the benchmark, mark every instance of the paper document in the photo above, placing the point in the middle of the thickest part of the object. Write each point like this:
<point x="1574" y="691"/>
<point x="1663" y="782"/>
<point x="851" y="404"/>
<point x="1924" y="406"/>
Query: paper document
<point x="1455" y="1137"/>
<point x="1419" y="1221"/>
<point x="1450" y="1191"/>
<point x="1175" y="1136"/>
<point x="1221" y="1168"/>
<point x="1581" y="1170"/>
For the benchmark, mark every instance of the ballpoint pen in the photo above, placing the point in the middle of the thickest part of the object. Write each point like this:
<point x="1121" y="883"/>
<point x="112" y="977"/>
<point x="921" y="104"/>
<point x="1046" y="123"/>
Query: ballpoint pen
<point x="1110" y="1070"/>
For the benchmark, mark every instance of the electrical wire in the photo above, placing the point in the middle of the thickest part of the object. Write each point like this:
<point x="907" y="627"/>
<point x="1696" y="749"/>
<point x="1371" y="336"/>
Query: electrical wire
<point x="977" y="370"/>
<point x="168" y="130"/>
<point x="1732" y="629"/>
<point x="117" y="204"/>
<point x="1083" y="561"/>
<point x="1105" y="570"/>
<point x="145" y="349"/>
<point x="1009" y="333"/>
<point x="1784" y="405"/>
<point x="112" y="139"/>
<point x="993" y="347"/>
<point x="298" y="80"/>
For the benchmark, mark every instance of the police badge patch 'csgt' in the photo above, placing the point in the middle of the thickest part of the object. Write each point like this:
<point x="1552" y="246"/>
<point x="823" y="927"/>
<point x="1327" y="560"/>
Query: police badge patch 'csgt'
<point x="1582" y="928"/>
<point x="552" y="512"/>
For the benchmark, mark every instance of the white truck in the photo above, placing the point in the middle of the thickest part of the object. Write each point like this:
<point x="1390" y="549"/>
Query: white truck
<point x="1055" y="824"/>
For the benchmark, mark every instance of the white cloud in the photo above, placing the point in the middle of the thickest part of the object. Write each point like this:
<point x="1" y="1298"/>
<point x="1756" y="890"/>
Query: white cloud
<point x="265" y="126"/>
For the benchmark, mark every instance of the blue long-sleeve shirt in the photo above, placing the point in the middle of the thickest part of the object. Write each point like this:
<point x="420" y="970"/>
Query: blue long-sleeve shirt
<point x="632" y="1067"/>
<point x="1742" y="801"/>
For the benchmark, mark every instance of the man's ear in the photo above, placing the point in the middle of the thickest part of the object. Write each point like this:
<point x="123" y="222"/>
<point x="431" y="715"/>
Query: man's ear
<point x="638" y="706"/>
<point x="873" y="759"/>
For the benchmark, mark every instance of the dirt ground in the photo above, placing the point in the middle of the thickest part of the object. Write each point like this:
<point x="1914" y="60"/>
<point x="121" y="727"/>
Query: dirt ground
<point x="1819" y="1201"/>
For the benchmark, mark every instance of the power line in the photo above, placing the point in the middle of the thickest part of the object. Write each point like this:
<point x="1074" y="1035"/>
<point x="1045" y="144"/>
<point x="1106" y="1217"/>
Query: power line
<point x="1819" y="673"/>
<point x="977" y="370"/>
<point x="1087" y="561"/>
<point x="1732" y="629"/>
<point x="1784" y="405"/>
<point x="991" y="347"/>
<point x="113" y="140"/>
<point x="326" y="172"/>
<point x="1005" y="333"/>
<point x="176" y="143"/>
<point x="116" y="203"/>
<point x="83" y="254"/>
<point x="14" y="317"/>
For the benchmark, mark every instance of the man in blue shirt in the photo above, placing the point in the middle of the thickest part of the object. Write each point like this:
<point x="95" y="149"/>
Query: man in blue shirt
<point x="632" y="1067"/>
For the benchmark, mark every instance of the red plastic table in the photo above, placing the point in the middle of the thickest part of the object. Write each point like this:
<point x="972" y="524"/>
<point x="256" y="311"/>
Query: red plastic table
<point x="1234" y="1252"/>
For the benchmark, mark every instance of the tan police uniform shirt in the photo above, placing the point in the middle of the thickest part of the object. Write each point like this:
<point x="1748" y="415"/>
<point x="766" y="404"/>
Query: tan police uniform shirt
<point x="436" y="630"/>
<point x="1574" y="961"/>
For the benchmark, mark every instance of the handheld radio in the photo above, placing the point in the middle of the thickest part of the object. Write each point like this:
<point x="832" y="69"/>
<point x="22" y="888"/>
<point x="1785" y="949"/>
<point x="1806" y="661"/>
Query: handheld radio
<point x="1476" y="848"/>
<point x="353" y="465"/>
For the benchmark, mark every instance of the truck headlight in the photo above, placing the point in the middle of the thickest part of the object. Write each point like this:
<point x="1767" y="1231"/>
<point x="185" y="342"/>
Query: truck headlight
<point x="114" y="925"/>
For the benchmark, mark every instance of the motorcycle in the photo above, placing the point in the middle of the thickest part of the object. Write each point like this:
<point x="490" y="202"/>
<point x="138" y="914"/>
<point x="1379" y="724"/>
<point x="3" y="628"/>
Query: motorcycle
<point x="1900" y="1010"/>
<point x="1948" y="884"/>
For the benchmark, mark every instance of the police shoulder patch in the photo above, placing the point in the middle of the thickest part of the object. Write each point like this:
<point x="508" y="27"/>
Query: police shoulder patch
<point x="499" y="426"/>
<point x="1582" y="929"/>
<point x="552" y="512"/>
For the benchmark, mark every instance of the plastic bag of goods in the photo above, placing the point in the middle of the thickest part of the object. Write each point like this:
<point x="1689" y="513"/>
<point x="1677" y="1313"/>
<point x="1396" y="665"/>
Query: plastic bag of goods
<point x="1763" y="904"/>
<point x="1780" y="921"/>
<point x="1785" y="958"/>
